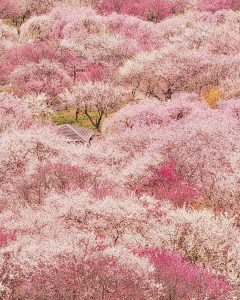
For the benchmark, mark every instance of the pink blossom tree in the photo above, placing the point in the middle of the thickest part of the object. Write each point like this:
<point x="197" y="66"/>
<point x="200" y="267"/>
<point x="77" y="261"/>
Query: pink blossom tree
<point x="149" y="10"/>
<point x="182" y="6"/>
<point x="29" y="7"/>
<point x="144" y="34"/>
<point x="100" y="275"/>
<point x="209" y="57"/>
<point x="96" y="263"/>
<point x="216" y="5"/>
<point x="73" y="62"/>
<point x="151" y="209"/>
<point x="27" y="53"/>
<point x="112" y="5"/>
<point x="164" y="72"/>
<point x="23" y="151"/>
<point x="43" y="77"/>
<point x="9" y="9"/>
<point x="94" y="240"/>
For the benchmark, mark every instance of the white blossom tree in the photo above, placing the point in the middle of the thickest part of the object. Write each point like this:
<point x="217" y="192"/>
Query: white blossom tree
<point x="99" y="97"/>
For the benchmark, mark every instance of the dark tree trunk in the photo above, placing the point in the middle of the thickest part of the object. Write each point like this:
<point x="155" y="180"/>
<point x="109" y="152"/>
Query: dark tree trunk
<point x="168" y="94"/>
<point x="77" y="113"/>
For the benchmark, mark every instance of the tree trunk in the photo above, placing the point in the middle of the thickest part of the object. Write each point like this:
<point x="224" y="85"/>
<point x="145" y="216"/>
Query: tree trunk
<point x="77" y="113"/>
<point x="168" y="94"/>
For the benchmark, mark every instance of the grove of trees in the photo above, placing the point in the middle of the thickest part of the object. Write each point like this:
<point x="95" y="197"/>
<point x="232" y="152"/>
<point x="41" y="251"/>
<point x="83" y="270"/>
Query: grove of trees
<point x="151" y="209"/>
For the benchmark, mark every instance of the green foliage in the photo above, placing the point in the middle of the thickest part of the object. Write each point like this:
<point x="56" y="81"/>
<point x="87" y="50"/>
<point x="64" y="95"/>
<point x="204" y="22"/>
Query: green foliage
<point x="4" y="89"/>
<point x="69" y="117"/>
<point x="16" y="22"/>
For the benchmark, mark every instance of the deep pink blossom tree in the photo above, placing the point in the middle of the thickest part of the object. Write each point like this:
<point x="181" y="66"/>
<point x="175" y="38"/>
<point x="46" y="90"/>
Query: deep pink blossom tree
<point x="183" y="280"/>
<point x="165" y="183"/>
<point x="6" y="237"/>
<point x="148" y="10"/>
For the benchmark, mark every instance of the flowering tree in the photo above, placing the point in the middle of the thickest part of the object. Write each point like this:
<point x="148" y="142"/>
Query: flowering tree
<point x="26" y="53"/>
<point x="101" y="274"/>
<point x="9" y="9"/>
<point x="133" y="116"/>
<point x="14" y="113"/>
<point x="43" y="77"/>
<point x="39" y="7"/>
<point x="36" y="28"/>
<point x="172" y="69"/>
<point x="149" y="10"/>
<point x="165" y="183"/>
<point x="198" y="52"/>
<point x="218" y="5"/>
<point x="183" y="280"/>
<point x="39" y="106"/>
<point x="197" y="235"/>
<point x="145" y="35"/>
<point x="103" y="47"/>
<point x="73" y="62"/>
<point x="30" y="168"/>
<point x="80" y="227"/>
<point x="7" y="32"/>
<point x="96" y="96"/>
